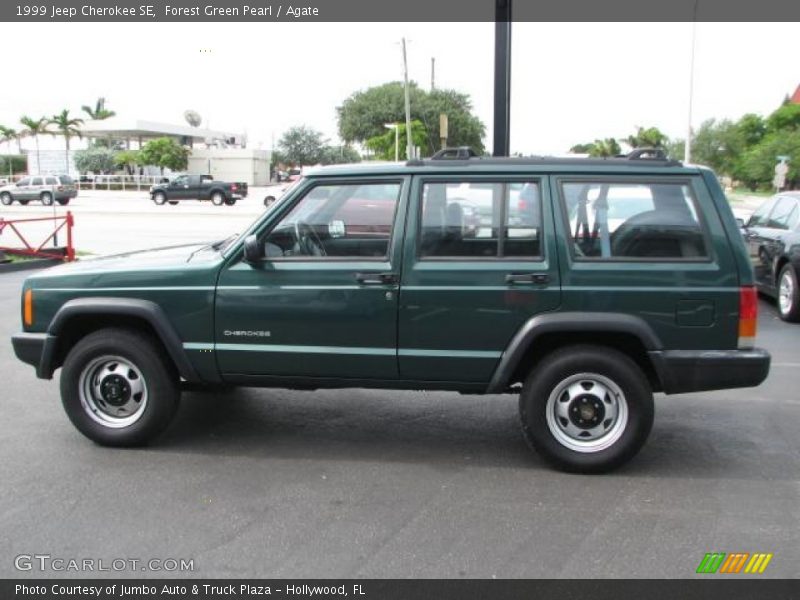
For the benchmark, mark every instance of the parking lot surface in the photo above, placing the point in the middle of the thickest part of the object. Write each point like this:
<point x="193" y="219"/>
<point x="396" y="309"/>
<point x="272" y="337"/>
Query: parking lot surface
<point x="356" y="483"/>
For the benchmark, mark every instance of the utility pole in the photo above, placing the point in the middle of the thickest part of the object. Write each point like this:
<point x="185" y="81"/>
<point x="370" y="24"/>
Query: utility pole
<point x="409" y="147"/>
<point x="433" y="73"/>
<point x="502" y="77"/>
<point x="687" y="151"/>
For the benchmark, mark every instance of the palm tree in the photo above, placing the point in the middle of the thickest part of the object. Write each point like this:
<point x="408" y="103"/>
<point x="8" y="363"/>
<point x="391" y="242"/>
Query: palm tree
<point x="35" y="127"/>
<point x="68" y="128"/>
<point x="7" y="134"/>
<point x="605" y="148"/>
<point x="99" y="112"/>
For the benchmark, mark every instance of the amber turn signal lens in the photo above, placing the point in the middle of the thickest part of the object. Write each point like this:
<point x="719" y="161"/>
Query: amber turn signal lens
<point x="27" y="313"/>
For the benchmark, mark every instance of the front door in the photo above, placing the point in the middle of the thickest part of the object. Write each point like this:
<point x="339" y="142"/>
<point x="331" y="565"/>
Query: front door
<point x="480" y="261"/>
<point x="323" y="302"/>
<point x="179" y="188"/>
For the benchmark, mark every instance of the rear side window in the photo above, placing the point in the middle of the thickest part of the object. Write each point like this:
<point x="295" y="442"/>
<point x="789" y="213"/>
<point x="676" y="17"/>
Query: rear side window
<point x="642" y="220"/>
<point x="51" y="181"/>
<point x="472" y="219"/>
<point x="37" y="181"/>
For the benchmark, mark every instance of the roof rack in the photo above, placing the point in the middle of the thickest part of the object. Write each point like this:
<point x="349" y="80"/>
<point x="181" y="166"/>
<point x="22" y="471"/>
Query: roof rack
<point x="464" y="155"/>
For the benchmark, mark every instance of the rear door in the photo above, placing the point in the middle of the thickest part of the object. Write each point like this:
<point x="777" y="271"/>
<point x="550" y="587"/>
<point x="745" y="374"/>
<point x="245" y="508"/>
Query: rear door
<point x="323" y="303"/>
<point x="36" y="188"/>
<point x="479" y="261"/>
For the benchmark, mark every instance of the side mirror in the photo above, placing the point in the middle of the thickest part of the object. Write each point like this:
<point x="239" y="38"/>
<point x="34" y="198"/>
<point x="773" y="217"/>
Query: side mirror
<point x="253" y="249"/>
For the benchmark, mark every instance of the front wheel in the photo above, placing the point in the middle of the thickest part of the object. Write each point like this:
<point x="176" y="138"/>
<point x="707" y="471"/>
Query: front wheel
<point x="159" y="198"/>
<point x="217" y="198"/>
<point x="46" y="198"/>
<point x="586" y="409"/>
<point x="788" y="294"/>
<point x="268" y="201"/>
<point x="118" y="387"/>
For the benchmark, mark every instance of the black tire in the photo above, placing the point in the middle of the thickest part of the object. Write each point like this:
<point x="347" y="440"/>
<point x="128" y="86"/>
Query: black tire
<point x="592" y="371"/>
<point x="46" y="198"/>
<point x="217" y="198"/>
<point x="269" y="200"/>
<point x="145" y="358"/>
<point x="24" y="202"/>
<point x="230" y="201"/>
<point x="788" y="299"/>
<point x="63" y="201"/>
<point x="173" y="202"/>
<point x="159" y="198"/>
<point x="6" y="199"/>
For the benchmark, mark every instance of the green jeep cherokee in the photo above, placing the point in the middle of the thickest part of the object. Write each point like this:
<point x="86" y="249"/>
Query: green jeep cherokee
<point x="582" y="285"/>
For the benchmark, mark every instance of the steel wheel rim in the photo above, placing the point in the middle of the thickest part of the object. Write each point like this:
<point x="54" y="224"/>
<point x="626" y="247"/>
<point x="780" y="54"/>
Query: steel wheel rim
<point x="786" y="293"/>
<point x="217" y="199"/>
<point x="587" y="412"/>
<point x="47" y="199"/>
<point x="113" y="391"/>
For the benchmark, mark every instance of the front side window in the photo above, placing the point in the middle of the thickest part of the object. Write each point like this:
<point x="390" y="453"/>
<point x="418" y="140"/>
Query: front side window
<point x="180" y="181"/>
<point x="759" y="216"/>
<point x="24" y="182"/>
<point x="337" y="221"/>
<point x="480" y="219"/>
<point x="653" y="220"/>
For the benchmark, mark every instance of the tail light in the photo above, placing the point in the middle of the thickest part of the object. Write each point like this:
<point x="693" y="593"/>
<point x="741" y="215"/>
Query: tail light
<point x="233" y="187"/>
<point x="60" y="188"/>
<point x="748" y="316"/>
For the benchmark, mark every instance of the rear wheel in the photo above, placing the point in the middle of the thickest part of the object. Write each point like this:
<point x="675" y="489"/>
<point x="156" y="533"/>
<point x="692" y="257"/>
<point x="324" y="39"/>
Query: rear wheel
<point x="63" y="201"/>
<point x="230" y="201"/>
<point x="217" y="198"/>
<point x="46" y="198"/>
<point x="269" y="200"/>
<point x="586" y="409"/>
<point x="173" y="202"/>
<point x="159" y="198"/>
<point x="788" y="294"/>
<point x="24" y="202"/>
<point x="5" y="199"/>
<point x="118" y="387"/>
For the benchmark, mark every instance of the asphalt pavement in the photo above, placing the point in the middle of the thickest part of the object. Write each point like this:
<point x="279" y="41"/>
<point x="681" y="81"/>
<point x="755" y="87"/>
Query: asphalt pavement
<point x="356" y="483"/>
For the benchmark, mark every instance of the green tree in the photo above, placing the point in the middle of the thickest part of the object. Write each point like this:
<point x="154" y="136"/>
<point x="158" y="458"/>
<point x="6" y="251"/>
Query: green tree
<point x="99" y="112"/>
<point x="334" y="155"/>
<point x="384" y="145"/>
<point x="758" y="165"/>
<point x="164" y="153"/>
<point x="96" y="160"/>
<point x="581" y="148"/>
<point x="752" y="128"/>
<point x="67" y="127"/>
<point x="650" y="137"/>
<point x="301" y="145"/>
<point x="787" y="117"/>
<point x="364" y="114"/>
<point x="35" y="128"/>
<point x="7" y="134"/>
<point x="128" y="160"/>
<point x="599" y="148"/>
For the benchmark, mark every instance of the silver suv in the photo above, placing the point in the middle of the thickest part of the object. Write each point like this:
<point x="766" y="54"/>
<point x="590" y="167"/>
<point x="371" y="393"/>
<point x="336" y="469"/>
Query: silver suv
<point x="45" y="188"/>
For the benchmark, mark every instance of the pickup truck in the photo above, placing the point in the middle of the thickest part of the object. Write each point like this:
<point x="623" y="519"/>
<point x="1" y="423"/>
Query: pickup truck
<point x="198" y="187"/>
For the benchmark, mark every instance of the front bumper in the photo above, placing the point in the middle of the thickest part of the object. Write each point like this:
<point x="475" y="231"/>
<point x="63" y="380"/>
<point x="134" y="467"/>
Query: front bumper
<point x="682" y="371"/>
<point x="28" y="347"/>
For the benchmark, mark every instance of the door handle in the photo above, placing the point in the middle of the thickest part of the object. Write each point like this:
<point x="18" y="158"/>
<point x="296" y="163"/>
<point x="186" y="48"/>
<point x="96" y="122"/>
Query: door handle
<point x="530" y="278"/>
<point x="376" y="278"/>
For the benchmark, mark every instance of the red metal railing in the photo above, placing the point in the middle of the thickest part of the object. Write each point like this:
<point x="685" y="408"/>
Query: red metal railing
<point x="66" y="221"/>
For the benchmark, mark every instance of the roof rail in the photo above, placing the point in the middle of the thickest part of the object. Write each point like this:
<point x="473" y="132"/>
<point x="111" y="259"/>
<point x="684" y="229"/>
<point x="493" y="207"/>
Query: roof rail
<point x="646" y="154"/>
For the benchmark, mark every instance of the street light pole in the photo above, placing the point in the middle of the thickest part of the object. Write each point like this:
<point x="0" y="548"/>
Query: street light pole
<point x="409" y="147"/>
<point x="687" y="151"/>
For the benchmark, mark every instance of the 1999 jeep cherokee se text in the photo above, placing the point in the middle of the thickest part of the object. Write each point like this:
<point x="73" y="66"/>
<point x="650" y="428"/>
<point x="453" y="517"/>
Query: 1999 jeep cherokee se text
<point x="582" y="285"/>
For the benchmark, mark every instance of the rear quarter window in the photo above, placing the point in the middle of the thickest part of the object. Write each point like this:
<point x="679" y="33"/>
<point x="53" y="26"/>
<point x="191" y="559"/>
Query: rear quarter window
<point x="643" y="220"/>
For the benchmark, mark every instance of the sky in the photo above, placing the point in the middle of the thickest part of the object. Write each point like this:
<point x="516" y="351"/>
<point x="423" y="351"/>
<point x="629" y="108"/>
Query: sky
<point x="571" y="82"/>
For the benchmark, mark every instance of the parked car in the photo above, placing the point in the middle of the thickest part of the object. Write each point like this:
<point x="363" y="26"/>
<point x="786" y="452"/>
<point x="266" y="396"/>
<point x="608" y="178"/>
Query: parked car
<point x="772" y="235"/>
<point x="369" y="277"/>
<point x="198" y="187"/>
<point x="44" y="188"/>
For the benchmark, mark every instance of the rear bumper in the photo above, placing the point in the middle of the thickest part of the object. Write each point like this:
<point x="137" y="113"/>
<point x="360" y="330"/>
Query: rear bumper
<point x="683" y="371"/>
<point x="28" y="347"/>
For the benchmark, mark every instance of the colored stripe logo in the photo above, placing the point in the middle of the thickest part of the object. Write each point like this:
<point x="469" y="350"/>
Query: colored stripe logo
<point x="734" y="562"/>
